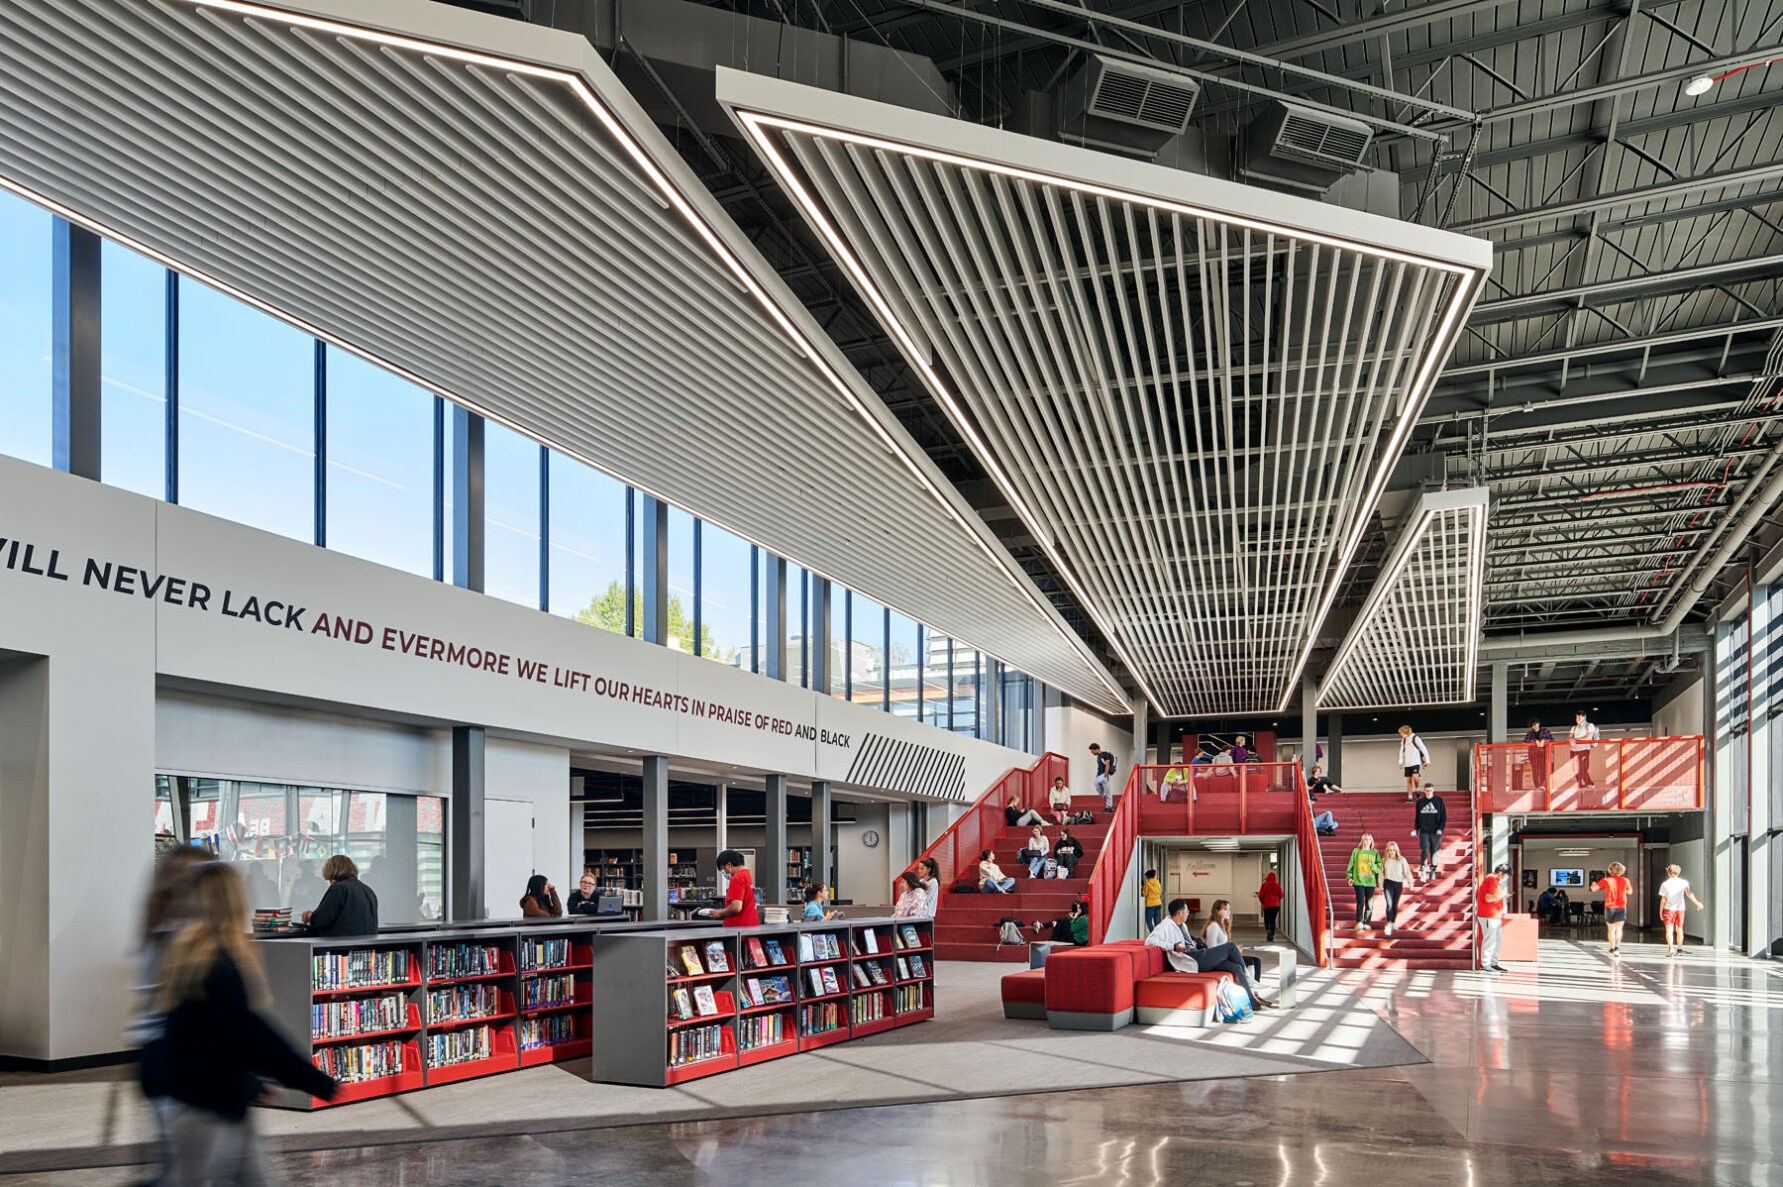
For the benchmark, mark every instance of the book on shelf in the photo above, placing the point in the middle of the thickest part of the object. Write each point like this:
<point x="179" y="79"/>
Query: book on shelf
<point x="807" y="951"/>
<point x="877" y="974"/>
<point x="758" y="955"/>
<point x="543" y="954"/>
<point x="683" y="1005"/>
<point x="911" y="997"/>
<point x="916" y="966"/>
<point x="871" y="942"/>
<point x="547" y="1031"/>
<point x="460" y="1046"/>
<point x="775" y="954"/>
<point x="752" y="991"/>
<point x="462" y="960"/>
<point x="763" y="1030"/>
<point x="911" y="940"/>
<point x="860" y="976"/>
<point x="903" y="970"/>
<point x="334" y="1018"/>
<point x="704" y="1000"/>
<point x="559" y="990"/>
<point x="816" y="976"/>
<point x="830" y="983"/>
<point x="822" y="1016"/>
<point x="854" y="946"/>
<point x="832" y="945"/>
<point x="455" y="1003"/>
<point x="775" y="991"/>
<point x="690" y="960"/>
<point x="366" y="1061"/>
<point x="362" y="969"/>
<point x="695" y="1044"/>
<point x="717" y="959"/>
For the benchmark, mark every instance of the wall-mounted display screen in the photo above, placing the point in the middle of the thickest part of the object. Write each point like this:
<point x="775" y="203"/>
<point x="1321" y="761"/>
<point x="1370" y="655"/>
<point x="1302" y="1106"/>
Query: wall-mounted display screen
<point x="1566" y="877"/>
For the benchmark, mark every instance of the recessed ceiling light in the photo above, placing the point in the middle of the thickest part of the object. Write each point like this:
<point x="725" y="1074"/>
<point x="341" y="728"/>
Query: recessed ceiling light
<point x="1699" y="85"/>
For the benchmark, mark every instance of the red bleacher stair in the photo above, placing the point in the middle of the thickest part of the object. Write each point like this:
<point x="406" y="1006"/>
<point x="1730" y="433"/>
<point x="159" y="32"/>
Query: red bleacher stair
<point x="966" y="927"/>
<point x="1435" y="927"/>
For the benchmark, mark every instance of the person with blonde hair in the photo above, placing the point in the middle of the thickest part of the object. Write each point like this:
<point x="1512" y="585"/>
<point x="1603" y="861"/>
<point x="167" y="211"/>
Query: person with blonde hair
<point x="1363" y="874"/>
<point x="350" y="908"/>
<point x="1395" y="873"/>
<point x="1615" y="903"/>
<point x="1672" y="893"/>
<point x="1414" y="756"/>
<point x="217" y="1046"/>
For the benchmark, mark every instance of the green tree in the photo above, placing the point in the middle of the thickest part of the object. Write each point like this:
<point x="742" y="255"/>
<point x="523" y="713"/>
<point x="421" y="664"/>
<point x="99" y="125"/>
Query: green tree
<point x="607" y="611"/>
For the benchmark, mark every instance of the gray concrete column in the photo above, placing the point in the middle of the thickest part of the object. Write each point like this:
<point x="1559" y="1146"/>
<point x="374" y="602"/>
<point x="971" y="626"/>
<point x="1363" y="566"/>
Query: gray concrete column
<point x="467" y="499"/>
<point x="773" y="618"/>
<point x="1141" y="731"/>
<point x="723" y="814"/>
<point x="399" y="881"/>
<point x="74" y="350"/>
<point x="1718" y="876"/>
<point x="770" y="866"/>
<point x="820" y="831"/>
<point x="656" y="838"/>
<point x="817" y="632"/>
<point x="653" y="523"/>
<point x="1309" y="725"/>
<point x="1497" y="721"/>
<point x="465" y="836"/>
<point x="1334" y="748"/>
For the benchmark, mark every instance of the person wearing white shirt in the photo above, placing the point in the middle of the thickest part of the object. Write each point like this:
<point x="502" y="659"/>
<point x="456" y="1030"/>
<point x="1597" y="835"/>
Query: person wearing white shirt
<point x="1219" y="931"/>
<point x="1672" y="893"/>
<point x="930" y="875"/>
<point x="1186" y="954"/>
<point x="1059" y="801"/>
<point x="1579" y="739"/>
<point x="1413" y="756"/>
<point x="1035" y="853"/>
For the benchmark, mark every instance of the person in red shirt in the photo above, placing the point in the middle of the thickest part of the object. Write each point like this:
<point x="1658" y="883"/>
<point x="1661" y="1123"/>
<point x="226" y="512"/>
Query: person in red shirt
<point x="1489" y="909"/>
<point x="739" y="893"/>
<point x="1270" y="895"/>
<point x="1615" y="903"/>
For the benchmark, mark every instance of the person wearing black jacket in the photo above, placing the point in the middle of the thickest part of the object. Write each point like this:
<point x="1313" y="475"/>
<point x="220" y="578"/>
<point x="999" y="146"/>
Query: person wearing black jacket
<point x="216" y="1047"/>
<point x="350" y="908"/>
<point x="585" y="899"/>
<point x="1067" y="852"/>
<point x="1430" y="816"/>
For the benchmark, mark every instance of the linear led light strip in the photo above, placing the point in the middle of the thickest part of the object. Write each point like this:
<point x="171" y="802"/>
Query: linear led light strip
<point x="1476" y="564"/>
<point x="801" y="343"/>
<point x="756" y="123"/>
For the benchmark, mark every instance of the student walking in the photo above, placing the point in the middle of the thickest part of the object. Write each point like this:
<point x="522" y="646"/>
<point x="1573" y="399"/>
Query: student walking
<point x="1153" y="890"/>
<point x="1104" y="775"/>
<point x="1672" y="893"/>
<point x="1395" y="873"/>
<point x="1414" y="756"/>
<point x="1430" y="816"/>
<point x="1364" y="874"/>
<point x="1270" y="896"/>
<point x="1615" y="902"/>
<point x="1579" y="739"/>
<point x="1489" y="910"/>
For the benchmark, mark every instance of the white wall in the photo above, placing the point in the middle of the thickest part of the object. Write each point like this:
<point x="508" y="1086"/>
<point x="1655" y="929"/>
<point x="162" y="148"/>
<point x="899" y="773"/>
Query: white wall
<point x="864" y="874"/>
<point x="1209" y="876"/>
<point x="217" y="737"/>
<point x="1682" y="715"/>
<point x="1069" y="731"/>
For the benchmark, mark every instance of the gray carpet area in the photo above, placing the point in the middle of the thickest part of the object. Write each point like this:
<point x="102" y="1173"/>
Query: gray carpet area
<point x="968" y="1050"/>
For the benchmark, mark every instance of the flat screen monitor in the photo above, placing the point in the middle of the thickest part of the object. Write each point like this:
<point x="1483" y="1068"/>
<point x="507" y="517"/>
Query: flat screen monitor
<point x="1566" y="877"/>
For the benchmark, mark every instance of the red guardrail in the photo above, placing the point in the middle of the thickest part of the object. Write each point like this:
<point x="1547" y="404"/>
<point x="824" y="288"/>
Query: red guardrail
<point x="958" y="848"/>
<point x="1615" y="775"/>
<point x="1117" y="854"/>
<point x="1219" y="799"/>
<point x="1312" y="871"/>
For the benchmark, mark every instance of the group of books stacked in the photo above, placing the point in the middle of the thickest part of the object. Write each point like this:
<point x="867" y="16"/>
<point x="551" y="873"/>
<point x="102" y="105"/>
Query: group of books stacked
<point x="460" y="1046"/>
<point x="764" y="953"/>
<point x="543" y="954"/>
<point x="702" y="1000"/>
<point x="717" y="959"/>
<point x="819" y="1017"/>
<point x="547" y="991"/>
<point x="367" y="1061"/>
<point x="767" y="991"/>
<point x="823" y="981"/>
<point x="547" y="1031"/>
<point x="271" y="918"/>
<point x="696" y="1043"/>
<point x="868" y="1007"/>
<point x="819" y="945"/>
<point x="365" y="1015"/>
<point x="362" y="969"/>
<point x="911" y="997"/>
<point x="457" y="1003"/>
<point x="463" y="960"/>
<point x="763" y="1030"/>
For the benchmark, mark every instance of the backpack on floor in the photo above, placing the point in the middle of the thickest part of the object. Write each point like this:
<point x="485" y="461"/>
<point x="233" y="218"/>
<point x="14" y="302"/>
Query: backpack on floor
<point x="1085" y="817"/>
<point x="1231" y="1004"/>
<point x="965" y="886"/>
<point x="1009" y="931"/>
<point x="1050" y="869"/>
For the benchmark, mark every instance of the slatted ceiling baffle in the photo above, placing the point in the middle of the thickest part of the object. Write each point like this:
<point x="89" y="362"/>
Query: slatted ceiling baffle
<point x="489" y="214"/>
<point x="1191" y="407"/>
<point x="1416" y="638"/>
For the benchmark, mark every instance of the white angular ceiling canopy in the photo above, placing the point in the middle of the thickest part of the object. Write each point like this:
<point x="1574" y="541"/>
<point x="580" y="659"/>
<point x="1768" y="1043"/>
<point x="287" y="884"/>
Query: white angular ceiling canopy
<point x="1416" y="640"/>
<point x="1191" y="392"/>
<point x="478" y="205"/>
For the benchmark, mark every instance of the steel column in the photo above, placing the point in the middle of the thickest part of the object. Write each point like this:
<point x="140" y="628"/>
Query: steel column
<point x="656" y="838"/>
<point x="74" y="350"/>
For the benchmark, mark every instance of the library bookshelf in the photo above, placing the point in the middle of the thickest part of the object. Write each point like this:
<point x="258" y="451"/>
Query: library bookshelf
<point x="741" y="996"/>
<point x="417" y="1008"/>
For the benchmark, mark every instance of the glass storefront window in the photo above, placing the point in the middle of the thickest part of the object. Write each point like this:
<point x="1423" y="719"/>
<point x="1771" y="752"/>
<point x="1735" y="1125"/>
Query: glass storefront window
<point x="866" y="651"/>
<point x="247" y="414"/>
<point x="965" y="691"/>
<point x="26" y="261"/>
<point x="903" y="672"/>
<point x="587" y="545"/>
<point x="838" y="640"/>
<point x="380" y="465"/>
<point x="132" y="371"/>
<point x="725" y="601"/>
<point x="510" y="515"/>
<point x="798" y="631"/>
<point x="935" y="707"/>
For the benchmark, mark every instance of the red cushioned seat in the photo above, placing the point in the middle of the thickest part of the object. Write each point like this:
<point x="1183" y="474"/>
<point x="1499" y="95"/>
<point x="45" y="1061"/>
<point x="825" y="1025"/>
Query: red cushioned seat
<point x="1177" y="999"/>
<point x="1024" y="994"/>
<point x="1090" y="988"/>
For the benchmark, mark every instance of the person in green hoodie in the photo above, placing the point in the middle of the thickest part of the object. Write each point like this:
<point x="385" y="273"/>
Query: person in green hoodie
<point x="1072" y="929"/>
<point x="1364" y="875"/>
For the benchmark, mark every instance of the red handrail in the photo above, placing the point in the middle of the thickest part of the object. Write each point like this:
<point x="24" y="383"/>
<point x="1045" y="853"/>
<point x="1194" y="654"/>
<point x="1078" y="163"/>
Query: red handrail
<point x="1612" y="775"/>
<point x="959" y="846"/>
<point x="1320" y="911"/>
<point x="1117" y="852"/>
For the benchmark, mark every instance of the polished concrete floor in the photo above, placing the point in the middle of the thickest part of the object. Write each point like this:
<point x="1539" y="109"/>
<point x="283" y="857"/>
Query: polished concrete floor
<point x="1586" y="1070"/>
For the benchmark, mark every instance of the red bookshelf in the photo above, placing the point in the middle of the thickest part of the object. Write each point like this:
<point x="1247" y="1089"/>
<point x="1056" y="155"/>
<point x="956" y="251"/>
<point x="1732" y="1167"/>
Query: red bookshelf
<point x="503" y="1057"/>
<point x="357" y="1090"/>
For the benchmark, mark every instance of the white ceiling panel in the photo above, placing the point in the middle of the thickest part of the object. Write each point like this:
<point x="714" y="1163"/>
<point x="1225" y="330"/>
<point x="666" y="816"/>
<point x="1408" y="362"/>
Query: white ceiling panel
<point x="477" y="204"/>
<point x="1191" y="392"/>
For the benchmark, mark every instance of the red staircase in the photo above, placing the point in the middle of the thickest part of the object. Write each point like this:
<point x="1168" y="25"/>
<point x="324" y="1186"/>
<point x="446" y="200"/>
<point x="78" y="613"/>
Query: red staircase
<point x="1435" y="926"/>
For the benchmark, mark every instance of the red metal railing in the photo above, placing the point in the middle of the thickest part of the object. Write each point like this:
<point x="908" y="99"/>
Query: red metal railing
<point x="1219" y="799"/>
<point x="1617" y="775"/>
<point x="1319" y="909"/>
<point x="1117" y="854"/>
<point x="958" y="848"/>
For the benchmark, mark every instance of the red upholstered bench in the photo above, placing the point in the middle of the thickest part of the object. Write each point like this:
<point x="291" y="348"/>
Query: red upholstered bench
<point x="1177" y="999"/>
<point x="1092" y="988"/>
<point x="1024" y="994"/>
